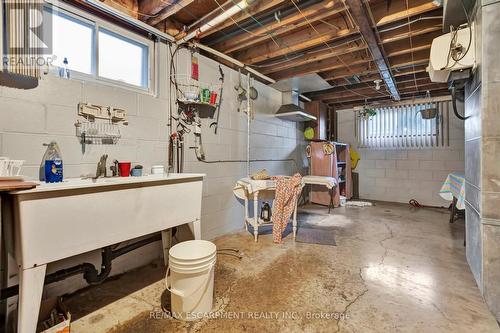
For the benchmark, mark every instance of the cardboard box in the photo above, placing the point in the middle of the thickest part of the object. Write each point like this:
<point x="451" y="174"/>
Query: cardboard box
<point x="46" y="310"/>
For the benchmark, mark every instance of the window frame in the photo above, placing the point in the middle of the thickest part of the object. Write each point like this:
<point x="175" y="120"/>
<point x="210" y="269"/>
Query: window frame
<point x="145" y="66"/>
<point x="148" y="70"/>
<point x="83" y="21"/>
<point x="422" y="134"/>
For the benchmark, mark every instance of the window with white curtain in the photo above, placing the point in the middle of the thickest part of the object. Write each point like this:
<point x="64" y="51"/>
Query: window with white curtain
<point x="404" y="126"/>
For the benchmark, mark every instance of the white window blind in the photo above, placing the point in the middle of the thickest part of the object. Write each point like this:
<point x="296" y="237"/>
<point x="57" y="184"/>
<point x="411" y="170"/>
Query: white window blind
<point x="403" y="127"/>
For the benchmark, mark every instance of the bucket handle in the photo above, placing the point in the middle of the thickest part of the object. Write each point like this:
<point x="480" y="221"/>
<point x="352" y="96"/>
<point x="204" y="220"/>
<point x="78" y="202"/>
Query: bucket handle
<point x="180" y="293"/>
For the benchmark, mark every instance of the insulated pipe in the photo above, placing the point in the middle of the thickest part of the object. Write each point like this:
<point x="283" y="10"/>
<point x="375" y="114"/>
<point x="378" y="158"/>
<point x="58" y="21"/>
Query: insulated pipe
<point x="216" y="20"/>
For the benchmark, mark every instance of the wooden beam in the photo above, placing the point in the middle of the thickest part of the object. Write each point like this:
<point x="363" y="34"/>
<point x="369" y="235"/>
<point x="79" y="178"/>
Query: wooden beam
<point x="370" y="68"/>
<point x="332" y="92"/>
<point x="303" y="39"/>
<point x="314" y="13"/>
<point x="361" y="17"/>
<point x="345" y="60"/>
<point x="255" y="8"/>
<point x="397" y="10"/>
<point x="356" y="99"/>
<point x="418" y="43"/>
<point x="161" y="9"/>
<point x="379" y="100"/>
<point x="315" y="57"/>
<point x="417" y="29"/>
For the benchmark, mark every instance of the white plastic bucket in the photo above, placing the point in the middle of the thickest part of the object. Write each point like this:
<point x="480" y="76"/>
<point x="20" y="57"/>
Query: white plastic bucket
<point x="190" y="278"/>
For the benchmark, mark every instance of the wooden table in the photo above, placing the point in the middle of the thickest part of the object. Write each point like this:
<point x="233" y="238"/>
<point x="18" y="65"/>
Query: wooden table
<point x="16" y="185"/>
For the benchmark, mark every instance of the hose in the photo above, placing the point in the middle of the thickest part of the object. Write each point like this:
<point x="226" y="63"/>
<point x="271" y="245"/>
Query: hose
<point x="454" y="103"/>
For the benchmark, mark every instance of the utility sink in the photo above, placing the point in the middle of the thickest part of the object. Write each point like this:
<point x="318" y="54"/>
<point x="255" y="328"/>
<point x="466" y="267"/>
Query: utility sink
<point x="75" y="183"/>
<point x="60" y="220"/>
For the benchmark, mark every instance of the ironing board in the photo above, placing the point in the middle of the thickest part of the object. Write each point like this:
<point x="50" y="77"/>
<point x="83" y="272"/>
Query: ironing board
<point x="247" y="188"/>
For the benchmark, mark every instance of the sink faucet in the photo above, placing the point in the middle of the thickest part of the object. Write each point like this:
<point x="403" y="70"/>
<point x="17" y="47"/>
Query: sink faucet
<point x="101" y="167"/>
<point x="114" y="169"/>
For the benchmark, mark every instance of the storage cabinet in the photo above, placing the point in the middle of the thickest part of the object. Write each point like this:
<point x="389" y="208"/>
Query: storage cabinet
<point x="319" y="110"/>
<point x="336" y="165"/>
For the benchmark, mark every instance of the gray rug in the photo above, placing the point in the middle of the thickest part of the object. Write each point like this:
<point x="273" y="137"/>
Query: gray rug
<point x="315" y="236"/>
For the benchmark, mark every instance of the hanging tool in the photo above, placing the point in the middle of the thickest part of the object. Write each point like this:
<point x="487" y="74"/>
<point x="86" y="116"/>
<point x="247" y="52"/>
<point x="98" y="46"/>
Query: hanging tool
<point x="215" y="124"/>
<point x="242" y="93"/>
<point x="198" y="143"/>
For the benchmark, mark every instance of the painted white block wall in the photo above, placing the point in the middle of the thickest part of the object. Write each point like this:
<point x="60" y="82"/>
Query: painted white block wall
<point x="33" y="117"/>
<point x="399" y="175"/>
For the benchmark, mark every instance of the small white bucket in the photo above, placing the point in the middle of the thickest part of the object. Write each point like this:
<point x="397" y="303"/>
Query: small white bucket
<point x="190" y="278"/>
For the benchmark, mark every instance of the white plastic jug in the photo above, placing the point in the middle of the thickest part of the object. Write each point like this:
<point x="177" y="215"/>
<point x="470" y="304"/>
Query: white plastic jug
<point x="190" y="278"/>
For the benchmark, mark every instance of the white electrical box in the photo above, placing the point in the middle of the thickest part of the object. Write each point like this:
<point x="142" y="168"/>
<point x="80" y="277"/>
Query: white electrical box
<point x="441" y="62"/>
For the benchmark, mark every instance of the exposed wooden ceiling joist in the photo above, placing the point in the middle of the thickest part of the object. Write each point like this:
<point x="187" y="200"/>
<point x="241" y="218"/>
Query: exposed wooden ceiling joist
<point x="298" y="41"/>
<point x="382" y="100"/>
<point x="361" y="17"/>
<point x="404" y="82"/>
<point x="314" y="13"/>
<point x="160" y="9"/>
<point x="341" y="61"/>
<point x="314" y="57"/>
<point x="255" y="8"/>
<point x="397" y="10"/>
<point x="356" y="99"/>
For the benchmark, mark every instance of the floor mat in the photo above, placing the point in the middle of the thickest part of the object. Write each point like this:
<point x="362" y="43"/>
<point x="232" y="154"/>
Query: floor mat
<point x="315" y="236"/>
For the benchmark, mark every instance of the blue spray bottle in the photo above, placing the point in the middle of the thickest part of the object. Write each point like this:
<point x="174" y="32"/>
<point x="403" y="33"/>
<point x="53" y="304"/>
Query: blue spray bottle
<point x="52" y="164"/>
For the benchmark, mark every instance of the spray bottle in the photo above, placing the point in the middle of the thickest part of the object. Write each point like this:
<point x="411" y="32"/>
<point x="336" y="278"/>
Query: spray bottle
<point x="52" y="164"/>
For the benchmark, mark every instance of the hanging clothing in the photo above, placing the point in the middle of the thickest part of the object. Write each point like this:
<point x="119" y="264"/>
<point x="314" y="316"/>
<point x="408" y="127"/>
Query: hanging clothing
<point x="287" y="191"/>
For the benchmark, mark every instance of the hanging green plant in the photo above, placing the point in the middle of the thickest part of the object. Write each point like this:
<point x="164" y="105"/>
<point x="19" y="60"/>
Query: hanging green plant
<point x="367" y="112"/>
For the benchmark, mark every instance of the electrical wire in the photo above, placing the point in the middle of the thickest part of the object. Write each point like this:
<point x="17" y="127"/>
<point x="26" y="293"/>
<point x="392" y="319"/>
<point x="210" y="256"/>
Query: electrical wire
<point x="422" y="18"/>
<point x="454" y="38"/>
<point x="270" y="34"/>
<point x="305" y="54"/>
<point x="338" y="57"/>
<point x="470" y="32"/>
<point x="238" y="25"/>
<point x="411" y="45"/>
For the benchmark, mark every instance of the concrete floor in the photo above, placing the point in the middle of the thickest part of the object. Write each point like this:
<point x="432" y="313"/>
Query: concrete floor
<point x="393" y="270"/>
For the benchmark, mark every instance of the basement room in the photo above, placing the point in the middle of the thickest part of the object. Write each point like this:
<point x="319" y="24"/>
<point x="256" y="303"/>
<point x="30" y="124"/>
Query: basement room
<point x="249" y="166"/>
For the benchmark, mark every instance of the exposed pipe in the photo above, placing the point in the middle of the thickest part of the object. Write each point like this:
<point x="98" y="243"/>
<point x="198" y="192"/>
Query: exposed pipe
<point x="236" y="8"/>
<point x="89" y="271"/>
<point x="454" y="103"/>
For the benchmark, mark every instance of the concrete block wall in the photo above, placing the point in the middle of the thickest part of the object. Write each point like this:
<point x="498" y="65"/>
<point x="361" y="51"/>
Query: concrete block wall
<point x="270" y="138"/>
<point x="399" y="175"/>
<point x="33" y="117"/>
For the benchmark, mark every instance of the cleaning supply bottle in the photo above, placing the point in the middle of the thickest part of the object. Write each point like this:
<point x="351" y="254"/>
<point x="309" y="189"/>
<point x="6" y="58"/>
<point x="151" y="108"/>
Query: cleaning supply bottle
<point x="52" y="164"/>
<point x="64" y="71"/>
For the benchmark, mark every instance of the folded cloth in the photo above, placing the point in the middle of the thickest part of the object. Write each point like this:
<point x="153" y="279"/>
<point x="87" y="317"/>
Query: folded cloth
<point x="329" y="182"/>
<point x="287" y="191"/>
<point x="247" y="185"/>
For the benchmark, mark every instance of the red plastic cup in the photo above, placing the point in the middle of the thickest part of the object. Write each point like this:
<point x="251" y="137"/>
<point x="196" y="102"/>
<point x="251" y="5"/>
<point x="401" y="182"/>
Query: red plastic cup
<point x="124" y="168"/>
